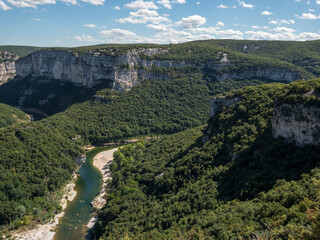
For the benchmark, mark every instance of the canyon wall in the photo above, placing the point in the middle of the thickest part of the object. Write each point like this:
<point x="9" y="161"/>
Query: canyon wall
<point x="7" y="66"/>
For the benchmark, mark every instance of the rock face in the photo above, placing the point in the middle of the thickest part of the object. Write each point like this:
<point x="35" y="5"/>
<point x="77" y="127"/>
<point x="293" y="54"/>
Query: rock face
<point x="7" y="66"/>
<point x="127" y="69"/>
<point x="299" y="124"/>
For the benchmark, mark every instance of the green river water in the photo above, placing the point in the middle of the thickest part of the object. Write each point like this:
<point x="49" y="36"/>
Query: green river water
<point x="72" y="226"/>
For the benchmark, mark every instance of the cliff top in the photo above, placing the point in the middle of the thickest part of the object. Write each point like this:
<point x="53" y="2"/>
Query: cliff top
<point x="300" y="92"/>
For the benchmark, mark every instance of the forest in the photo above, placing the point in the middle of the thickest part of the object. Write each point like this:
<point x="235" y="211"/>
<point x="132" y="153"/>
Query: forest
<point x="240" y="184"/>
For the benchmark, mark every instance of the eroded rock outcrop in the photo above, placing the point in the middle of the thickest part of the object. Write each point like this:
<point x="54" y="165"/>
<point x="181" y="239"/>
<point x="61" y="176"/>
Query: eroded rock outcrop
<point x="7" y="66"/>
<point x="130" y="68"/>
<point x="297" y="123"/>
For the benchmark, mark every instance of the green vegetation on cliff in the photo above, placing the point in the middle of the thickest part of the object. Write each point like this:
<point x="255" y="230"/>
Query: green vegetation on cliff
<point x="10" y="115"/>
<point x="153" y="107"/>
<point x="240" y="184"/>
<point x="35" y="162"/>
<point x="21" y="51"/>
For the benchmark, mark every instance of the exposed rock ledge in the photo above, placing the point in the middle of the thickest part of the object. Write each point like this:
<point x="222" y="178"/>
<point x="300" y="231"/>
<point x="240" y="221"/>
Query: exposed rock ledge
<point x="129" y="69"/>
<point x="297" y="123"/>
<point x="7" y="66"/>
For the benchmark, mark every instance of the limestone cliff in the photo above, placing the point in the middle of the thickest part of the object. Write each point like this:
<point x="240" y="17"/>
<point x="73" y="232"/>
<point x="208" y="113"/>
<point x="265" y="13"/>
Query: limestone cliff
<point x="297" y="123"/>
<point x="131" y="67"/>
<point x="7" y="66"/>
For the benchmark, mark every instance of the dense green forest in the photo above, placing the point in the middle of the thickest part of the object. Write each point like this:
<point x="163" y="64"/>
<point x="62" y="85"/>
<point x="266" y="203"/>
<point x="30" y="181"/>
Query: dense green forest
<point x="240" y="184"/>
<point x="304" y="54"/>
<point x="10" y="115"/>
<point x="36" y="160"/>
<point x="153" y="107"/>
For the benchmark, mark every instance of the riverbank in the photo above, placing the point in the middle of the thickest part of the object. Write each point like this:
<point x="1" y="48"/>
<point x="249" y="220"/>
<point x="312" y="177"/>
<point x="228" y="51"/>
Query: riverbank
<point x="102" y="161"/>
<point x="46" y="231"/>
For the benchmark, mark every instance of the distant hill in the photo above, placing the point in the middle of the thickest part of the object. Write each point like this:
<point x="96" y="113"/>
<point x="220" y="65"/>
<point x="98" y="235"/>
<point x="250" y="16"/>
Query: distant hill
<point x="21" y="51"/>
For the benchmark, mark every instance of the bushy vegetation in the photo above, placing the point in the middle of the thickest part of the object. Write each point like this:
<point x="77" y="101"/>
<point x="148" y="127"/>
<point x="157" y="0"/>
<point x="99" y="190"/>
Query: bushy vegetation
<point x="301" y="92"/>
<point x="153" y="107"/>
<point x="35" y="162"/>
<point x="10" y="116"/>
<point x="21" y="51"/>
<point x="240" y="184"/>
<point x="304" y="54"/>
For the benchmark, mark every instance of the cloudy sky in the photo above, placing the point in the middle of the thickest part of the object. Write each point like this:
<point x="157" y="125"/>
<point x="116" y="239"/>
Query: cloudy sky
<point x="87" y="22"/>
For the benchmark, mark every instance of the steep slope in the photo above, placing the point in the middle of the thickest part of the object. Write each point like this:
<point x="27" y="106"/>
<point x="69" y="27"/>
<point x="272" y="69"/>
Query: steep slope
<point x="36" y="161"/>
<point x="10" y="116"/>
<point x="153" y="107"/>
<point x="240" y="184"/>
<point x="7" y="66"/>
<point x="47" y="77"/>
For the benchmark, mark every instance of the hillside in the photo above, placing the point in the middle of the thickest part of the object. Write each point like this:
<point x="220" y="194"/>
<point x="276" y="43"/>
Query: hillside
<point x="240" y="184"/>
<point x="51" y="80"/>
<point x="10" y="116"/>
<point x="304" y="54"/>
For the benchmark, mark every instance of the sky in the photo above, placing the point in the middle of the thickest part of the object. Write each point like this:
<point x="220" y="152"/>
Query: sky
<point x="70" y="23"/>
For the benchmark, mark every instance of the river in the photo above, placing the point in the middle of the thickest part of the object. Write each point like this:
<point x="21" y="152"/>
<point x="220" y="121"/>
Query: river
<point x="72" y="226"/>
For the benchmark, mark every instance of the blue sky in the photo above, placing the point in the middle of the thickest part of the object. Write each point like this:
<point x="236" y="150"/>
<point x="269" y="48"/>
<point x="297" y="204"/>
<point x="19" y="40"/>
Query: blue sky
<point x="87" y="22"/>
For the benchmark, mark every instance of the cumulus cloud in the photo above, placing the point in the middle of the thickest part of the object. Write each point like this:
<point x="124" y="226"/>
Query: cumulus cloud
<point x="245" y="5"/>
<point x="90" y="25"/>
<point x="4" y="6"/>
<point x="282" y="33"/>
<point x="121" y="36"/>
<point x="140" y="4"/>
<point x="309" y="16"/>
<point x="318" y="2"/>
<point x="35" y="3"/>
<point x="222" y="6"/>
<point x="266" y="13"/>
<point x="30" y="3"/>
<point x="144" y="16"/>
<point x="85" y="38"/>
<point x="165" y="3"/>
<point x="116" y="8"/>
<point x="192" y="21"/>
<point x="282" y="21"/>
<point x="220" y="24"/>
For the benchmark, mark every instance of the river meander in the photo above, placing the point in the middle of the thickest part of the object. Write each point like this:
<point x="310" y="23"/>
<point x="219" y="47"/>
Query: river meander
<point x="72" y="226"/>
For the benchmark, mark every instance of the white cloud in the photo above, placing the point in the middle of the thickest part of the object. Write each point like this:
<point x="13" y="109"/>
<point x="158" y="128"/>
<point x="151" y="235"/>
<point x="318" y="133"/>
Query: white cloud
<point x="220" y="24"/>
<point x="284" y="30"/>
<point x="318" y="2"/>
<point x="191" y="21"/>
<point x="198" y="3"/>
<point x="94" y="2"/>
<point x="116" y="8"/>
<point x="90" y="25"/>
<point x="4" y="6"/>
<point x="68" y="2"/>
<point x="35" y="3"/>
<point x="121" y="36"/>
<point x="30" y="3"/>
<point x="144" y="16"/>
<point x="36" y="19"/>
<point x="86" y="38"/>
<point x="165" y="3"/>
<point x="258" y="27"/>
<point x="282" y="21"/>
<point x="140" y="4"/>
<point x="245" y="5"/>
<point x="266" y="13"/>
<point x="222" y="6"/>
<point x="180" y="1"/>
<point x="309" y="16"/>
